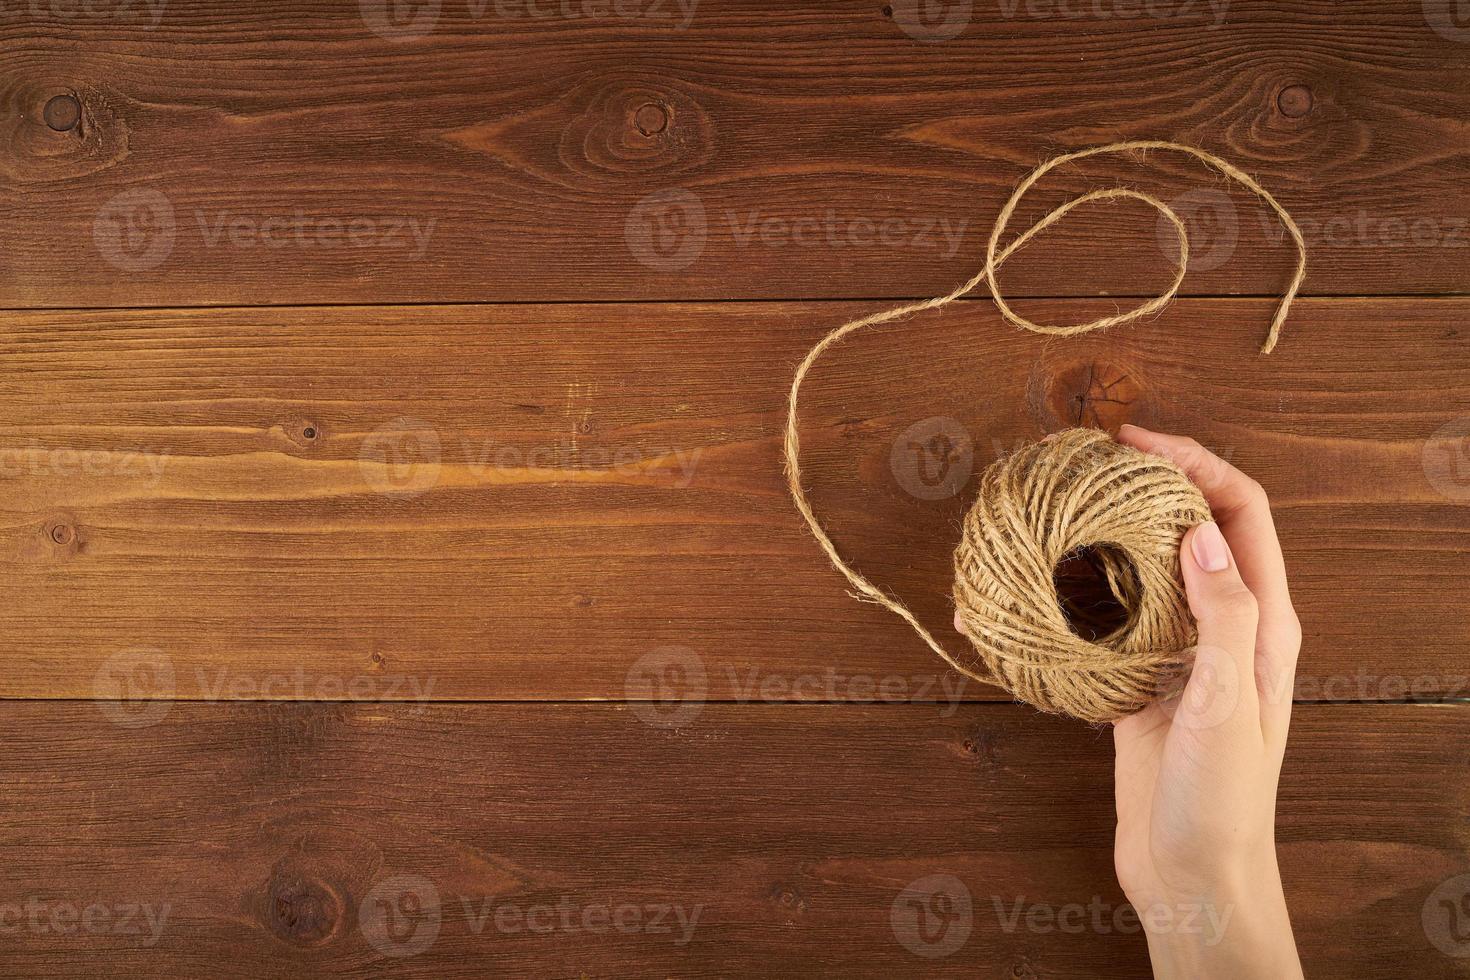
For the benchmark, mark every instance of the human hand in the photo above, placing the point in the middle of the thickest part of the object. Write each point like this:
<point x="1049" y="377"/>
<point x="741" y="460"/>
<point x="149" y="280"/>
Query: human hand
<point x="1196" y="775"/>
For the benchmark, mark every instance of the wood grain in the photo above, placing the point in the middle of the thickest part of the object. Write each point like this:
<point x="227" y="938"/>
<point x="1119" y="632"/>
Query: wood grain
<point x="260" y="838"/>
<point x="284" y="152"/>
<point x="526" y="502"/>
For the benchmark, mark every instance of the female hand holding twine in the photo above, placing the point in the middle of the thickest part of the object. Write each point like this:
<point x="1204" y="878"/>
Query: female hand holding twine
<point x="1195" y="777"/>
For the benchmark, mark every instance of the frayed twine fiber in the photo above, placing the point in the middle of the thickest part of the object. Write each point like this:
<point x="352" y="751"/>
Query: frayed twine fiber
<point x="1075" y="489"/>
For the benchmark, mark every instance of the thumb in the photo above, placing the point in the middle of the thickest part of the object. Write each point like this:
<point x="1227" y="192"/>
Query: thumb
<point x="1221" y="684"/>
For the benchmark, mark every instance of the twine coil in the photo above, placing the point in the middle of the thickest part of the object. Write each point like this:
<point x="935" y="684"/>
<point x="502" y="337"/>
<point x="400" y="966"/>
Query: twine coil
<point x="1074" y="489"/>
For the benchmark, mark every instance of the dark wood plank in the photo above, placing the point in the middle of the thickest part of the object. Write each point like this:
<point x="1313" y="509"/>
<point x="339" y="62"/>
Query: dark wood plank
<point x="528" y="502"/>
<point x="284" y="152"/>
<point x="261" y="838"/>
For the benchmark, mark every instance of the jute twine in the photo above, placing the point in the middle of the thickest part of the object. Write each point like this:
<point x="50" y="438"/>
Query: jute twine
<point x="1073" y="490"/>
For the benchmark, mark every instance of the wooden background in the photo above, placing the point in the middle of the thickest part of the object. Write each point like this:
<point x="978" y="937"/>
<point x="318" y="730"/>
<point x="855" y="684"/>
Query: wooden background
<point x="391" y="518"/>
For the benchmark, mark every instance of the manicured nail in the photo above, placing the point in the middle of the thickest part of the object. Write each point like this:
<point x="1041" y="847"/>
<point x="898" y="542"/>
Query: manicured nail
<point x="1210" y="551"/>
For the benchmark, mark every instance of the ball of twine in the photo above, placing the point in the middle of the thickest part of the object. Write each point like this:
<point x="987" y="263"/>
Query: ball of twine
<point x="1038" y="506"/>
<point x="1073" y="490"/>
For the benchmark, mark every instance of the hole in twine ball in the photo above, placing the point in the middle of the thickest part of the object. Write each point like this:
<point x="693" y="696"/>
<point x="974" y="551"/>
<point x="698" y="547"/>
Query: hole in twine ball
<point x="1078" y="493"/>
<point x="1097" y="587"/>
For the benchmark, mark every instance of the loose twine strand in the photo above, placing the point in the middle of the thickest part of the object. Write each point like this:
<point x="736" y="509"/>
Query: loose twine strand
<point x="995" y="257"/>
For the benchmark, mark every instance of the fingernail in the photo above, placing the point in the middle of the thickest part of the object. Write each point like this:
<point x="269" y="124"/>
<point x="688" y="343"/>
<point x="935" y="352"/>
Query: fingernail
<point x="1129" y="425"/>
<point x="959" y="624"/>
<point x="1210" y="550"/>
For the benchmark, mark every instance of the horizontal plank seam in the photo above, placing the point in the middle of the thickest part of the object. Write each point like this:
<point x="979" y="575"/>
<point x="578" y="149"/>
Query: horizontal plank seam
<point x="604" y="702"/>
<point x="1212" y="297"/>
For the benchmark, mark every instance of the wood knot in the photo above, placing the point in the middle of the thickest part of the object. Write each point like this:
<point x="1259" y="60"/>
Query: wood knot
<point x="51" y="130"/>
<point x="789" y="901"/>
<point x="638" y="126"/>
<point x="1093" y="393"/>
<point x="1294" y="101"/>
<point x="62" y="113"/>
<point x="61" y="540"/>
<point x="302" y="911"/>
<point x="981" y="746"/>
<point x="651" y="118"/>
<point x="305" y="433"/>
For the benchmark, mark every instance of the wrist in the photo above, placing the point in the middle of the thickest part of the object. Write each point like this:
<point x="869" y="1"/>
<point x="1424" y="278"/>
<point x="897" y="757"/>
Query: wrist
<point x="1235" y="926"/>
